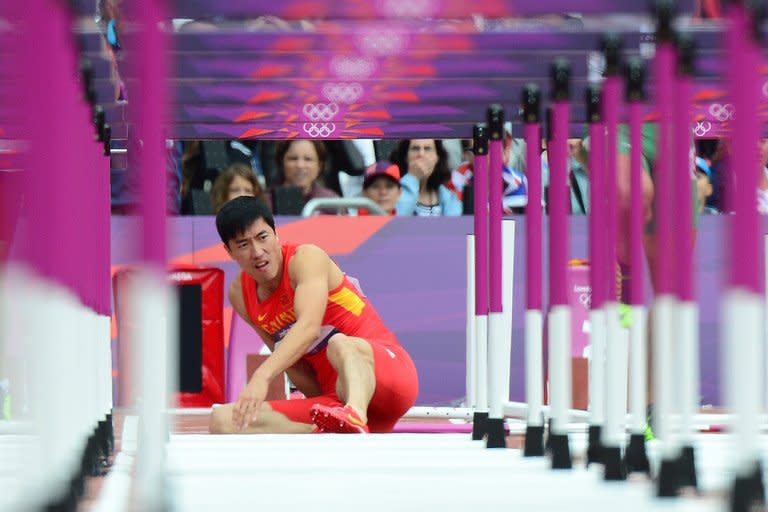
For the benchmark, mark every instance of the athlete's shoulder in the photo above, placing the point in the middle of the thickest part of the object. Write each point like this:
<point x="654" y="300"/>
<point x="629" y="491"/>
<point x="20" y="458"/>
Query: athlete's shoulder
<point x="309" y="261"/>
<point x="308" y="253"/>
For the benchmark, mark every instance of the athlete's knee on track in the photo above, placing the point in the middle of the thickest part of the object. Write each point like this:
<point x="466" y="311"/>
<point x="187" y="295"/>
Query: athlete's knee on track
<point x="220" y="421"/>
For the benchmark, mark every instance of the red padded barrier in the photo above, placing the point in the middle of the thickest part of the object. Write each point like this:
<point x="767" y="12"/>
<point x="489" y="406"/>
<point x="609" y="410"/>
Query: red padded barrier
<point x="211" y="281"/>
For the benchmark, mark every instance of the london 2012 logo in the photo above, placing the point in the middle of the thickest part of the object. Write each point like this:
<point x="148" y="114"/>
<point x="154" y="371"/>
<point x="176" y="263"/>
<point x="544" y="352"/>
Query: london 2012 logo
<point x="585" y="295"/>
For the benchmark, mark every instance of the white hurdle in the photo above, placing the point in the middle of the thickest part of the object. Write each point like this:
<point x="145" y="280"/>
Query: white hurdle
<point x="743" y="307"/>
<point x="615" y="339"/>
<point x="636" y="457"/>
<point x="480" y="265"/>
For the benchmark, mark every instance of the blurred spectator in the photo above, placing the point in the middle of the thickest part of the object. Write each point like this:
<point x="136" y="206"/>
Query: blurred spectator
<point x="707" y="9"/>
<point x="424" y="190"/>
<point x="350" y="157"/>
<point x="762" y="184"/>
<point x="514" y="181"/>
<point x="237" y="180"/>
<point x="196" y="176"/>
<point x="300" y="164"/>
<point x="125" y="189"/>
<point x="382" y="186"/>
<point x="578" y="177"/>
<point x="713" y="152"/>
<point x="703" y="185"/>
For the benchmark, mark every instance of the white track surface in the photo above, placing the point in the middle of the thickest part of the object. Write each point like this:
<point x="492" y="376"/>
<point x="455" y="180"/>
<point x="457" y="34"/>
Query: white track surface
<point x="381" y="472"/>
<point x="407" y="472"/>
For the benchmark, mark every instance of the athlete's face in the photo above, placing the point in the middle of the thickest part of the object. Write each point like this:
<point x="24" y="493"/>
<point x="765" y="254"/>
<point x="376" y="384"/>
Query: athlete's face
<point x="257" y="251"/>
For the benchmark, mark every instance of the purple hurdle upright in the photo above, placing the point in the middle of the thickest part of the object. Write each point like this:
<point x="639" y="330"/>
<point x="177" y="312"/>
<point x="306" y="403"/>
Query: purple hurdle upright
<point x="615" y="348"/>
<point x="743" y="303"/>
<point x="496" y="357"/>
<point x="664" y="304"/>
<point x="480" y="149"/>
<point x="150" y="298"/>
<point x="636" y="458"/>
<point x="597" y="273"/>
<point x="687" y="317"/>
<point x="559" y="320"/>
<point x="534" y="369"/>
<point x="59" y="271"/>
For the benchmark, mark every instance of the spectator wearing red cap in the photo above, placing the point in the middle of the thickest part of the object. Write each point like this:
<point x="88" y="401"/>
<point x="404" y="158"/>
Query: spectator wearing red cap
<point x="382" y="186"/>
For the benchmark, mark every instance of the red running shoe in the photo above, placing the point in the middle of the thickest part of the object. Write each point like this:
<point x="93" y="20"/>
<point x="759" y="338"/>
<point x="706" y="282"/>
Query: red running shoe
<point x="339" y="420"/>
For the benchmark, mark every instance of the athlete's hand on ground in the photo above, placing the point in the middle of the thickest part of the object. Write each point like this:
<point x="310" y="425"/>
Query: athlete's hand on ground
<point x="248" y="405"/>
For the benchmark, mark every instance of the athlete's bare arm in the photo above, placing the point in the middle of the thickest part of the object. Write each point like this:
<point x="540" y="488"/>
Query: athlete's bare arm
<point x="309" y="270"/>
<point x="301" y="373"/>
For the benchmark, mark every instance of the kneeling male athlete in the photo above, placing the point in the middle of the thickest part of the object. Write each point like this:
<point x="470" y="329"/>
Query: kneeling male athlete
<point x="322" y="331"/>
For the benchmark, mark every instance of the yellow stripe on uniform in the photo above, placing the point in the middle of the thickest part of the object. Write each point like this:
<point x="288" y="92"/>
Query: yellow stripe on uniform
<point x="348" y="300"/>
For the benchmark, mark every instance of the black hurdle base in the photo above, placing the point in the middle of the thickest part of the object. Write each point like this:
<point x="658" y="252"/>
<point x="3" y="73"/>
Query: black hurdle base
<point x="595" y="446"/>
<point x="104" y="446"/>
<point x="686" y="467"/>
<point x="560" y="452"/>
<point x="497" y="436"/>
<point x="478" y="425"/>
<point x="91" y="465"/>
<point x="110" y="433"/>
<point x="68" y="501"/>
<point x="89" y="462"/>
<point x="748" y="493"/>
<point x="534" y="441"/>
<point x="668" y="485"/>
<point x="613" y="464"/>
<point x="636" y="458"/>
<point x="548" y="440"/>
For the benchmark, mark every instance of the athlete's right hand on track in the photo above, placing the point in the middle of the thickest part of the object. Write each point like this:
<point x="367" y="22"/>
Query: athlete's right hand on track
<point x="248" y="405"/>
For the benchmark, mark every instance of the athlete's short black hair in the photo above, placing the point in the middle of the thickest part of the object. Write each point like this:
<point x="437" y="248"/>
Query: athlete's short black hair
<point x="239" y="213"/>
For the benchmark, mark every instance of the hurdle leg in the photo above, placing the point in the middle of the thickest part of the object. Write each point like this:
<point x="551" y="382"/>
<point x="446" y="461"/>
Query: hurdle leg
<point x="559" y="329"/>
<point x="636" y="458"/>
<point x="597" y="250"/>
<point x="743" y="306"/>
<point x="534" y="368"/>
<point x="481" y="281"/>
<point x="498" y="358"/>
<point x="615" y="409"/>
<point x="471" y="353"/>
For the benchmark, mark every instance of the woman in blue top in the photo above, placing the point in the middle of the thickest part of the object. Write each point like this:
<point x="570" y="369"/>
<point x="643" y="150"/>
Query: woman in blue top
<point x="425" y="163"/>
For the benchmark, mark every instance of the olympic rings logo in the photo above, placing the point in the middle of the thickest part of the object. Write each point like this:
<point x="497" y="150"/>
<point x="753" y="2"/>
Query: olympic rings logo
<point x="409" y="9"/>
<point x="321" y="130"/>
<point x="702" y="128"/>
<point x="320" y="111"/>
<point x="722" y="112"/>
<point x="382" y="43"/>
<point x="354" y="68"/>
<point x="342" y="92"/>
